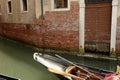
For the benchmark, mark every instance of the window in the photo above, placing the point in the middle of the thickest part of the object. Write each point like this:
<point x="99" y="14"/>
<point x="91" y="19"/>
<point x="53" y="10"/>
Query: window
<point x="24" y="5"/>
<point x="9" y="6"/>
<point x="61" y="4"/>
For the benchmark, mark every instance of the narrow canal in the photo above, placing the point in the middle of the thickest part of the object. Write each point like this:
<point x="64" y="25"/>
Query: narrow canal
<point x="17" y="61"/>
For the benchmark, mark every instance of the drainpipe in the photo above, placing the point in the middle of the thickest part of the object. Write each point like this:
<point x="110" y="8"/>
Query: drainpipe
<point x="42" y="10"/>
<point x="43" y="28"/>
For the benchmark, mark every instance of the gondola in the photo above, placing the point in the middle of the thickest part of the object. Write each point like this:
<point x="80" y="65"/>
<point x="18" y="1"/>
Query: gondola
<point x="69" y="70"/>
<point x="5" y="77"/>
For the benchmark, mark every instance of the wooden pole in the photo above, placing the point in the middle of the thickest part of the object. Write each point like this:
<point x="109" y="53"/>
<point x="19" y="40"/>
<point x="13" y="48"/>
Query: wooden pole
<point x="78" y="67"/>
<point x="64" y="73"/>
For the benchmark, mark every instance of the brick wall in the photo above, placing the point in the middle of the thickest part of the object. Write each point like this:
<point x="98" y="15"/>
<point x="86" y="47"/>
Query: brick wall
<point x="62" y="31"/>
<point x="22" y="32"/>
<point x="58" y="31"/>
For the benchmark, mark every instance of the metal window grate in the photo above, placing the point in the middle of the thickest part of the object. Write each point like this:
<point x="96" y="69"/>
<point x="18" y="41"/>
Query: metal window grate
<point x="96" y="1"/>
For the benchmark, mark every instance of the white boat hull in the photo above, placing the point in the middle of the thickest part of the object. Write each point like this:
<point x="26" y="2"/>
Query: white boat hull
<point x="49" y="63"/>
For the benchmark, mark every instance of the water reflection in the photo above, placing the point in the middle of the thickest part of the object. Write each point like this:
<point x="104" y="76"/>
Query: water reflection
<point x="93" y="62"/>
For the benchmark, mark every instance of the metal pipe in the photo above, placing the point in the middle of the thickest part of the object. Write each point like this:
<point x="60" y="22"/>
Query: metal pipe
<point x="42" y="10"/>
<point x="43" y="28"/>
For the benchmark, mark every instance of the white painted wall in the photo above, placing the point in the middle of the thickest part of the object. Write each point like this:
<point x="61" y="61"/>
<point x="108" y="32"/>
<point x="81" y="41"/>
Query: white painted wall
<point x="82" y="25"/>
<point x="119" y="8"/>
<point x="38" y="8"/>
<point x="114" y="26"/>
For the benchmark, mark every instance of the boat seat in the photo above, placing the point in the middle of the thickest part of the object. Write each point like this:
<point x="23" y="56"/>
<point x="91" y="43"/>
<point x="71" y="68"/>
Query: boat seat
<point x="69" y="69"/>
<point x="118" y="69"/>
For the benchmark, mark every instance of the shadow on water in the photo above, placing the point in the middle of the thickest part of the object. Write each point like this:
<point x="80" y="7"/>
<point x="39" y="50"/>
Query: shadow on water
<point x="104" y="64"/>
<point x="17" y="61"/>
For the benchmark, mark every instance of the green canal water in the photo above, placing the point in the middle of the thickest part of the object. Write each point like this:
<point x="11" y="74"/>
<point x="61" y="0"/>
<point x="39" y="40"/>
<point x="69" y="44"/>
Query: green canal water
<point x="17" y="61"/>
<point x="104" y="64"/>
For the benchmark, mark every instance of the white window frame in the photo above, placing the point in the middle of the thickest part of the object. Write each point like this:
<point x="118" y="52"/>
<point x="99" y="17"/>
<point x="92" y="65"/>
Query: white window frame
<point x="21" y="4"/>
<point x="8" y="7"/>
<point x="59" y="9"/>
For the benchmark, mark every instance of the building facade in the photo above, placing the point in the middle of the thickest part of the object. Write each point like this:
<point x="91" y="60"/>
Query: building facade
<point x="72" y="25"/>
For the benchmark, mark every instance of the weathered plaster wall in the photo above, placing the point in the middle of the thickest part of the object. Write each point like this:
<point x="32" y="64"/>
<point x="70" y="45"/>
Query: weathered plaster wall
<point x="38" y="8"/>
<point x="59" y="30"/>
<point x="17" y="16"/>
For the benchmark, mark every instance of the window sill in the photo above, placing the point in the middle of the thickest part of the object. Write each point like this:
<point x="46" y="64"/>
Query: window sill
<point x="60" y="9"/>
<point x="9" y="13"/>
<point x="24" y="12"/>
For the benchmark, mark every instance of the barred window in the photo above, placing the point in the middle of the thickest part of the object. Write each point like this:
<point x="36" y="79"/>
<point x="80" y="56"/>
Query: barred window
<point x="96" y="1"/>
<point x="60" y="4"/>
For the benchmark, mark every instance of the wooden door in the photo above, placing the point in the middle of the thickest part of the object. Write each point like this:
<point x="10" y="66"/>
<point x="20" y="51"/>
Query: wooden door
<point x="98" y="26"/>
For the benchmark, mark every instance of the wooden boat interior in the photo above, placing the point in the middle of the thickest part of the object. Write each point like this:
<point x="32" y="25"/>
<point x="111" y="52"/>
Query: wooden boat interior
<point x="83" y="74"/>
